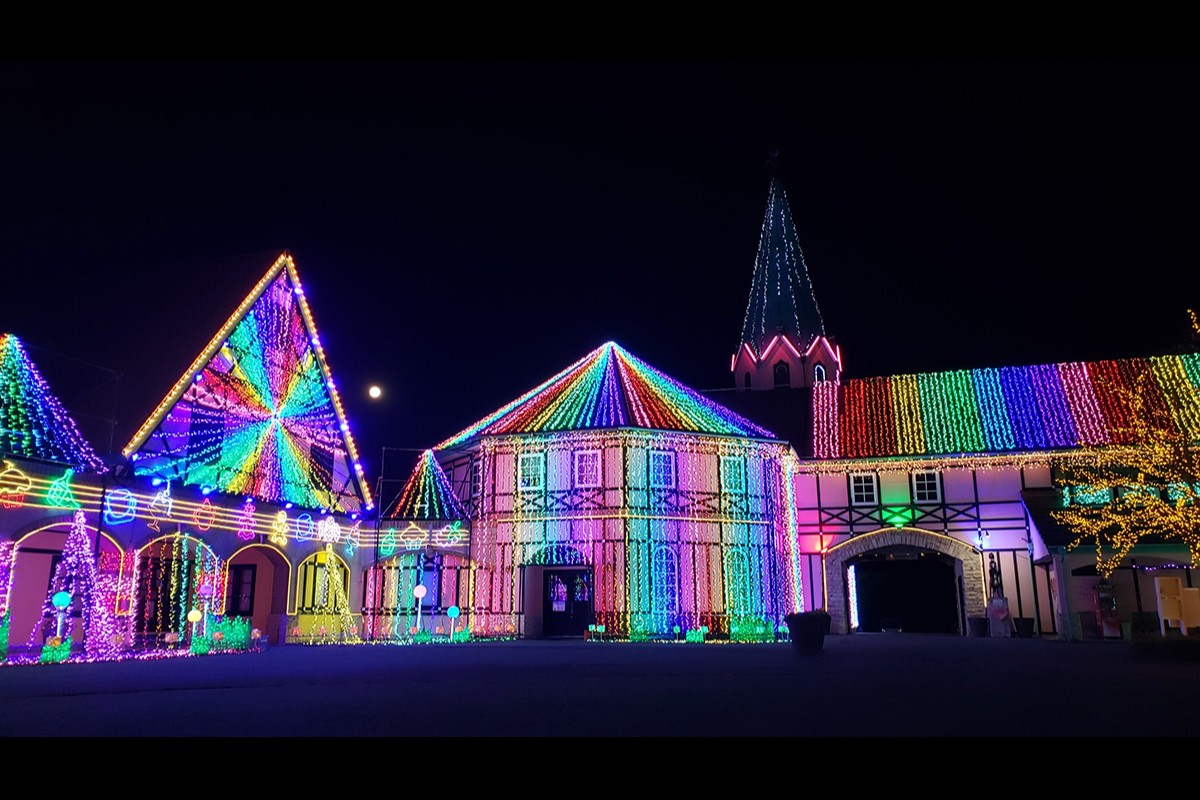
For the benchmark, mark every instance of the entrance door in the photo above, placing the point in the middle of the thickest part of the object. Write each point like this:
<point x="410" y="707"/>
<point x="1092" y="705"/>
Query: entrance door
<point x="566" y="601"/>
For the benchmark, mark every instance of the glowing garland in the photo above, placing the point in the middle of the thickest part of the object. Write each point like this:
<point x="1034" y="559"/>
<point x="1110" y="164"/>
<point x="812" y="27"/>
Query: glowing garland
<point x="257" y="413"/>
<point x="33" y="423"/>
<point x="777" y="303"/>
<point x="1153" y="486"/>
<point x="1043" y="407"/>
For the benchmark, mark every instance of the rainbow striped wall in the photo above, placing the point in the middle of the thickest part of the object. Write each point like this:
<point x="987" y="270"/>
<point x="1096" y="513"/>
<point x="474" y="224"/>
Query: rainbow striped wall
<point x="1000" y="409"/>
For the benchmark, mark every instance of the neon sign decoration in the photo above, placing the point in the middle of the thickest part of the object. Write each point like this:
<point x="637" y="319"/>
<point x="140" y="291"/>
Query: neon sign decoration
<point x="120" y="507"/>
<point x="388" y="546"/>
<point x="13" y="485"/>
<point x="329" y="531"/>
<point x="246" y="521"/>
<point x="204" y="515"/>
<point x="59" y="494"/>
<point x="160" y="507"/>
<point x="279" y="529"/>
<point x="305" y="528"/>
<point x="353" y="538"/>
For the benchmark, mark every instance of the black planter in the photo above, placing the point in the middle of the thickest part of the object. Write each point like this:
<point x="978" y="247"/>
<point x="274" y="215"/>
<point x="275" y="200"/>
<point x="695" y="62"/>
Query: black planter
<point x="978" y="626"/>
<point x="808" y="630"/>
<point x="1024" y="627"/>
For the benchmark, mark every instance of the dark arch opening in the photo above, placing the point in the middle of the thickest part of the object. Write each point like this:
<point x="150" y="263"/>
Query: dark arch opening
<point x="905" y="589"/>
<point x="783" y="374"/>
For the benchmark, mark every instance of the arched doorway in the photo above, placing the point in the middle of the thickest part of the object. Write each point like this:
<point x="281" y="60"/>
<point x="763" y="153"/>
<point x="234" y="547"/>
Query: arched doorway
<point x="323" y="612"/>
<point x="174" y="574"/>
<point x="257" y="580"/>
<point x="34" y="560"/>
<point x="891" y="558"/>
<point x="559" y="593"/>
<point x="390" y="605"/>
<point x="903" y="589"/>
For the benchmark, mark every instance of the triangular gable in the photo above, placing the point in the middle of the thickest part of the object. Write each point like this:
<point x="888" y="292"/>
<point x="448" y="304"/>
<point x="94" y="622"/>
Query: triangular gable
<point x="610" y="388"/>
<point x="428" y="495"/>
<point x="33" y="423"/>
<point x="257" y="412"/>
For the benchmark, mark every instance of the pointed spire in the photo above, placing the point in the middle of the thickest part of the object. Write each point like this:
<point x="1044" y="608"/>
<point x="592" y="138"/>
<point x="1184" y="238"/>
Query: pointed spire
<point x="781" y="296"/>
<point x="33" y="423"/>
<point x="428" y="494"/>
<point x="257" y="412"/>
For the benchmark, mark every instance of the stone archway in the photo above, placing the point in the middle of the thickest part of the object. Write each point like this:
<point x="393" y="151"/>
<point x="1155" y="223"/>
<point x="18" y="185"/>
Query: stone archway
<point x="974" y="595"/>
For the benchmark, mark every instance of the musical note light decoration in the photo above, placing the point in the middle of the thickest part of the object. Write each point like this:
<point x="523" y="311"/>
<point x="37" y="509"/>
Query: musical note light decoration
<point x="257" y="413"/>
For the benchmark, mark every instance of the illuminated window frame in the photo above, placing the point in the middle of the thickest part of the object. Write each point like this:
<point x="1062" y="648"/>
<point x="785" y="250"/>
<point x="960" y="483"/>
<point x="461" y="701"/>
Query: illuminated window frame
<point x="531" y="472"/>
<point x="926" y="486"/>
<point x="476" y="477"/>
<point x="864" y="489"/>
<point x="587" y="468"/>
<point x="733" y="474"/>
<point x="660" y="468"/>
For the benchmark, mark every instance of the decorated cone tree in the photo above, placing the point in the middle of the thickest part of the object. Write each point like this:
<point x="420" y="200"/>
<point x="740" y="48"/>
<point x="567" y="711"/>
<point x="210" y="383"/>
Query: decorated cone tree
<point x="71" y="595"/>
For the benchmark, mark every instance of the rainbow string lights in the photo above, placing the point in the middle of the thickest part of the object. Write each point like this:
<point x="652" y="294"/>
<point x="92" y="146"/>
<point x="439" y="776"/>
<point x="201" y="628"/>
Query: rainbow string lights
<point x="664" y="495"/>
<point x="33" y="423"/>
<point x="257" y="413"/>
<point x="1009" y="409"/>
<point x="781" y="295"/>
<point x="427" y="494"/>
<point x="610" y="388"/>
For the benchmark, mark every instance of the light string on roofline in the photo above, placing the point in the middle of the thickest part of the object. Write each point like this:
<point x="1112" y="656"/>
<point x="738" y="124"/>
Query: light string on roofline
<point x="258" y="413"/>
<point x="981" y="411"/>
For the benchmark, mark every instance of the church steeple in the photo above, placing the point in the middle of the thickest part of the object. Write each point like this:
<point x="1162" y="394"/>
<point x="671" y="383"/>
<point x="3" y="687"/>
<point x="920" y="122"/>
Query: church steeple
<point x="783" y="335"/>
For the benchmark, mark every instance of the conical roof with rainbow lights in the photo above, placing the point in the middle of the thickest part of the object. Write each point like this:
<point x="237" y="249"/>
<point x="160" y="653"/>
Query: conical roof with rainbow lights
<point x="428" y="495"/>
<point x="257" y="412"/>
<point x="610" y="388"/>
<point x="33" y="423"/>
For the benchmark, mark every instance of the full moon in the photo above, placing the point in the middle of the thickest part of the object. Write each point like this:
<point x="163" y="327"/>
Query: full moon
<point x="374" y="391"/>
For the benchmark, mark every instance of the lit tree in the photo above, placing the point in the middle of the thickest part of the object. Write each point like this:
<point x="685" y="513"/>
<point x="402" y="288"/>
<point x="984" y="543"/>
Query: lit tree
<point x="1148" y="487"/>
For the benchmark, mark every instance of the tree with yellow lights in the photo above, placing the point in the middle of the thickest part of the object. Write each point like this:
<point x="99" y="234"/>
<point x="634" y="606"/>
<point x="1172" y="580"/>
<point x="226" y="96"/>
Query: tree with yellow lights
<point x="1149" y="488"/>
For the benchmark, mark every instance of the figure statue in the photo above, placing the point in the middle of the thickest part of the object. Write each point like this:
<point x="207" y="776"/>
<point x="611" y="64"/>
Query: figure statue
<point x="995" y="581"/>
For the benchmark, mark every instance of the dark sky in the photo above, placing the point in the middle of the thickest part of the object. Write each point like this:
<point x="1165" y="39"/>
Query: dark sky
<point x="465" y="230"/>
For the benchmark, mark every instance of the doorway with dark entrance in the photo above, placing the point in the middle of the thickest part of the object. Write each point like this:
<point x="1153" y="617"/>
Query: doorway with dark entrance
<point x="903" y="590"/>
<point x="566" y="601"/>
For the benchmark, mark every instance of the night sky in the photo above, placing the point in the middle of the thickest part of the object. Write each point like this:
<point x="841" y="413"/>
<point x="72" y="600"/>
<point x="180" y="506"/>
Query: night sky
<point x="465" y="230"/>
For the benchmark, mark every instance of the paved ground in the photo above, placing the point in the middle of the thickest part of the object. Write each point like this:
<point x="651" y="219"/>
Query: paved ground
<point x="866" y="685"/>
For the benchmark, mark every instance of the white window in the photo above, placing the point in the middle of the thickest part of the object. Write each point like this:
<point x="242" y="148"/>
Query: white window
<point x="587" y="468"/>
<point x="733" y="474"/>
<point x="863" y="490"/>
<point x="477" y="477"/>
<point x="662" y="469"/>
<point x="531" y="469"/>
<point x="925" y="487"/>
<point x="818" y="373"/>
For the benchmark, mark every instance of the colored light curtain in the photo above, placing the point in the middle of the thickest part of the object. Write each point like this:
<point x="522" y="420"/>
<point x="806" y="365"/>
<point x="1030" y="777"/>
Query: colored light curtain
<point x="428" y="494"/>
<point x="33" y="423"/>
<point x="610" y="388"/>
<point x="259" y="417"/>
<point x="1046" y="406"/>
